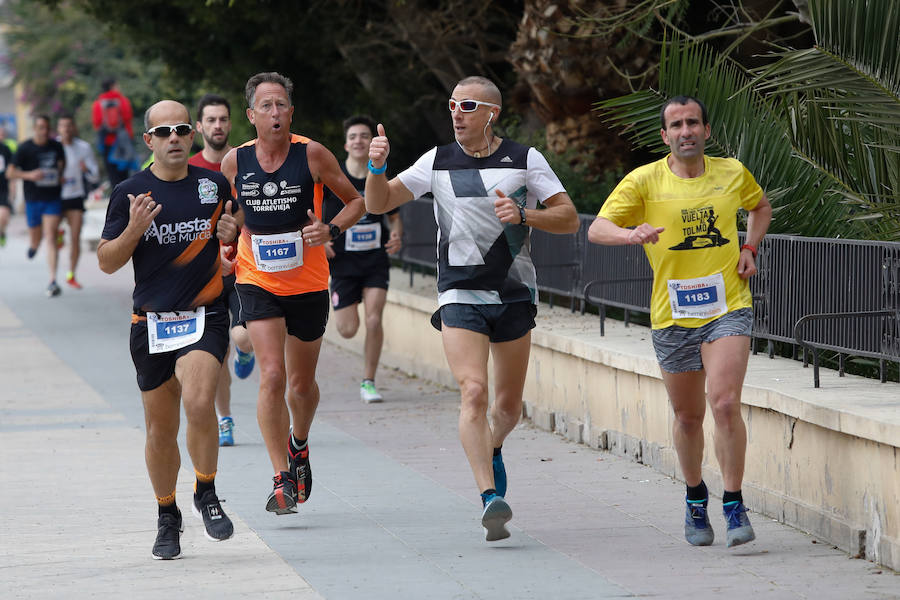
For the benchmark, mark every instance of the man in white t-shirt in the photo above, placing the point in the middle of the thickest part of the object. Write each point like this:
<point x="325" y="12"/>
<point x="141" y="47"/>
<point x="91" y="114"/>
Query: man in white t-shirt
<point x="486" y="190"/>
<point x="80" y="166"/>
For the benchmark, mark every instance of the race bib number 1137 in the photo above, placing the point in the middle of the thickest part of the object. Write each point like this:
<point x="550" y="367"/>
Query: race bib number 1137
<point x="167" y="331"/>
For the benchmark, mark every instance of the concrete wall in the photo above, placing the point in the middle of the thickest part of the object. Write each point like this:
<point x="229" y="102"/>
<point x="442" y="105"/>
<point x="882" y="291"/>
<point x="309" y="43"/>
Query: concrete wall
<point x="824" y="461"/>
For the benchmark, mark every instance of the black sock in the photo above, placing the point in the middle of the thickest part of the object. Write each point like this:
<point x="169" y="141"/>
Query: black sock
<point x="171" y="509"/>
<point x="732" y="497"/>
<point x="200" y="487"/>
<point x="487" y="494"/>
<point x="498" y="449"/>
<point x="698" y="492"/>
<point x="297" y="444"/>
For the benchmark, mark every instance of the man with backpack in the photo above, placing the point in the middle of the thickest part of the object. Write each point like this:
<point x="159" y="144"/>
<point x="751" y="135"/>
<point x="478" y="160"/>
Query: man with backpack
<point x="112" y="116"/>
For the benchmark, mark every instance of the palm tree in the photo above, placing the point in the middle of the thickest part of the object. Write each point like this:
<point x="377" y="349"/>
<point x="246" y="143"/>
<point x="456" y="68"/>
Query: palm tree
<point x="818" y="127"/>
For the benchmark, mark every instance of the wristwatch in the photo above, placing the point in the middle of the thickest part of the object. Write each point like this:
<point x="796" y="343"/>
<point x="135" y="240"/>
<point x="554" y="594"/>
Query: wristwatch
<point x="335" y="230"/>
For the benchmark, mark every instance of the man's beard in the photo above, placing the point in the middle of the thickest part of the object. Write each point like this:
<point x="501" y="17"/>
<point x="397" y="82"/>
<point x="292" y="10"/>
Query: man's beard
<point x="215" y="146"/>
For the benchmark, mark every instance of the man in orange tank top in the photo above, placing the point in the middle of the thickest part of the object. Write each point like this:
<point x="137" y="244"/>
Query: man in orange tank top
<point x="282" y="272"/>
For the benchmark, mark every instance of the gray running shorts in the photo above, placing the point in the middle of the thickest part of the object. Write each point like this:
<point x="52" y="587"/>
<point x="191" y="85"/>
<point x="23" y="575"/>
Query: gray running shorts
<point x="678" y="348"/>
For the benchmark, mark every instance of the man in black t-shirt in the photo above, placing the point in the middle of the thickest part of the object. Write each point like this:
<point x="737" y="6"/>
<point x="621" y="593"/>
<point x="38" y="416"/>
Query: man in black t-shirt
<point x="39" y="162"/>
<point x="6" y="156"/>
<point x="163" y="219"/>
<point x="358" y="258"/>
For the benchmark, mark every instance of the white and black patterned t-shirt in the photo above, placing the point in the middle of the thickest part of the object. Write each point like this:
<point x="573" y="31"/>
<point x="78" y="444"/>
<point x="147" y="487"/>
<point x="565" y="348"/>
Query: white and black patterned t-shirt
<point x="480" y="259"/>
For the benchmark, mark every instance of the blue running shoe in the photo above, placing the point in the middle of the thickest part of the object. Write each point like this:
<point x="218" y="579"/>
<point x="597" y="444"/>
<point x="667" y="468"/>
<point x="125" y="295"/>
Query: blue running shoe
<point x="496" y="515"/>
<point x="226" y="431"/>
<point x="739" y="529"/>
<point x="243" y="363"/>
<point x="499" y="476"/>
<point x="697" y="530"/>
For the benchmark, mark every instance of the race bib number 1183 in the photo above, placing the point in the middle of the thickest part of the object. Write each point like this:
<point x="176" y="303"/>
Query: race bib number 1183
<point x="700" y="298"/>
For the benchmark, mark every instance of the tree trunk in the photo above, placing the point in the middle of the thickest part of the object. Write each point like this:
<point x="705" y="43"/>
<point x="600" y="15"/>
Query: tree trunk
<point x="564" y="70"/>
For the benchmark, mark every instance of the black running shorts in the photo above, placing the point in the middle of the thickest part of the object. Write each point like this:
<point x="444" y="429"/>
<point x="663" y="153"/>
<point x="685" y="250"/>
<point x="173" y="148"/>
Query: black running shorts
<point x="73" y="204"/>
<point x="346" y="291"/>
<point x="353" y="271"/>
<point x="305" y="315"/>
<point x="500" y="322"/>
<point x="232" y="300"/>
<point x="153" y="370"/>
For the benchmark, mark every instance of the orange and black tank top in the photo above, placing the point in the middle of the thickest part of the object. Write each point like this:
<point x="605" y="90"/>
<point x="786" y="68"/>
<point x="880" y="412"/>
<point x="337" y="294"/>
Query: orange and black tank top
<point x="277" y="203"/>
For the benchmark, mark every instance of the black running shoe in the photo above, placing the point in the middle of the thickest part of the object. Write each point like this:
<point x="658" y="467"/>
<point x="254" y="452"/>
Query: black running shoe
<point x="298" y="464"/>
<point x="207" y="507"/>
<point x="168" y="545"/>
<point x="283" y="499"/>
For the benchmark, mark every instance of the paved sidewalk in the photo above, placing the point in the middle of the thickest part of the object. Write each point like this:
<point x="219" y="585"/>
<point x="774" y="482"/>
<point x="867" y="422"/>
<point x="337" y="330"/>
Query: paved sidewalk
<point x="394" y="511"/>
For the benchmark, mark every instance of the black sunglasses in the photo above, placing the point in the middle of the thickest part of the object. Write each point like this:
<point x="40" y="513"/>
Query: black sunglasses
<point x="164" y="131"/>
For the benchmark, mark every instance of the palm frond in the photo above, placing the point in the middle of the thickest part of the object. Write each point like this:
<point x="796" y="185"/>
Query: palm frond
<point x="843" y="101"/>
<point x="856" y="58"/>
<point x="805" y="197"/>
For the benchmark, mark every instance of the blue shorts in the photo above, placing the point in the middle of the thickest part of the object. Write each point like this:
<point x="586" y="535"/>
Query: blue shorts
<point x="35" y="210"/>
<point x="500" y="322"/>
<point x="678" y="348"/>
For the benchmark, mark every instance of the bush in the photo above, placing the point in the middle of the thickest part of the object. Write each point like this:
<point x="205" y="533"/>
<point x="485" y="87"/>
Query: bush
<point x="588" y="191"/>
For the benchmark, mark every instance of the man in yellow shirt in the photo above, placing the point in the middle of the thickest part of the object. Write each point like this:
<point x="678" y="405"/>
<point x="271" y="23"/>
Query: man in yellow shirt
<point x="683" y="209"/>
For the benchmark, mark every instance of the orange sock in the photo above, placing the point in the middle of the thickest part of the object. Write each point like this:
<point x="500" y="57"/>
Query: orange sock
<point x="167" y="504"/>
<point x="204" y="482"/>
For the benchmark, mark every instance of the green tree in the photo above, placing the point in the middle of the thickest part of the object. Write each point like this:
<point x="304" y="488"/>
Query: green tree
<point x="61" y="55"/>
<point x="819" y="127"/>
<point x="393" y="59"/>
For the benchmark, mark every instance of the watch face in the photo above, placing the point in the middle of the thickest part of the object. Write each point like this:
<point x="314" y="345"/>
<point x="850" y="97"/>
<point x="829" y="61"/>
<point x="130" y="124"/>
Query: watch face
<point x="335" y="231"/>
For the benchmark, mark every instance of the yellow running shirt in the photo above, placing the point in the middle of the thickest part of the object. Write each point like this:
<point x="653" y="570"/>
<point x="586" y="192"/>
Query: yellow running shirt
<point x="694" y="263"/>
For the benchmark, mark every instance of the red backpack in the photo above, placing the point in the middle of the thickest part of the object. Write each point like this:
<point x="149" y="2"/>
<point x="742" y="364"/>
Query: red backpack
<point x="112" y="114"/>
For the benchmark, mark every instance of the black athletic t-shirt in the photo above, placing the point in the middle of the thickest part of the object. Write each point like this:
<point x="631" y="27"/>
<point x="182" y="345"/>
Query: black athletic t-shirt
<point x="345" y="262"/>
<point x="176" y="263"/>
<point x="29" y="157"/>
<point x="6" y="157"/>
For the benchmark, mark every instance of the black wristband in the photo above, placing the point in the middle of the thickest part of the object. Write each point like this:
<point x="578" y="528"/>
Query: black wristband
<point x="335" y="231"/>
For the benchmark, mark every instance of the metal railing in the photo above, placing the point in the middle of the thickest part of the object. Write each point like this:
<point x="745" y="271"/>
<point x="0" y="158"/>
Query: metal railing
<point x="419" y="236"/>
<point x="811" y="293"/>
<point x="884" y="316"/>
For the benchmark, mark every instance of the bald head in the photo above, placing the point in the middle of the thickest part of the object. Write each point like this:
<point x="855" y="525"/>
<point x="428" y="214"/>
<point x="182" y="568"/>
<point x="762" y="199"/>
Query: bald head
<point x="168" y="112"/>
<point x="489" y="90"/>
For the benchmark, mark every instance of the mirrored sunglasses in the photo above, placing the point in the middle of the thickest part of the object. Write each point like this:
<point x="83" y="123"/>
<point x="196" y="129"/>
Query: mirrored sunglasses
<point x="467" y="105"/>
<point x="164" y="131"/>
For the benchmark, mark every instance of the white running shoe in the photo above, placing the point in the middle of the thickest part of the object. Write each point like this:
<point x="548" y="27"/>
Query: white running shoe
<point x="368" y="393"/>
